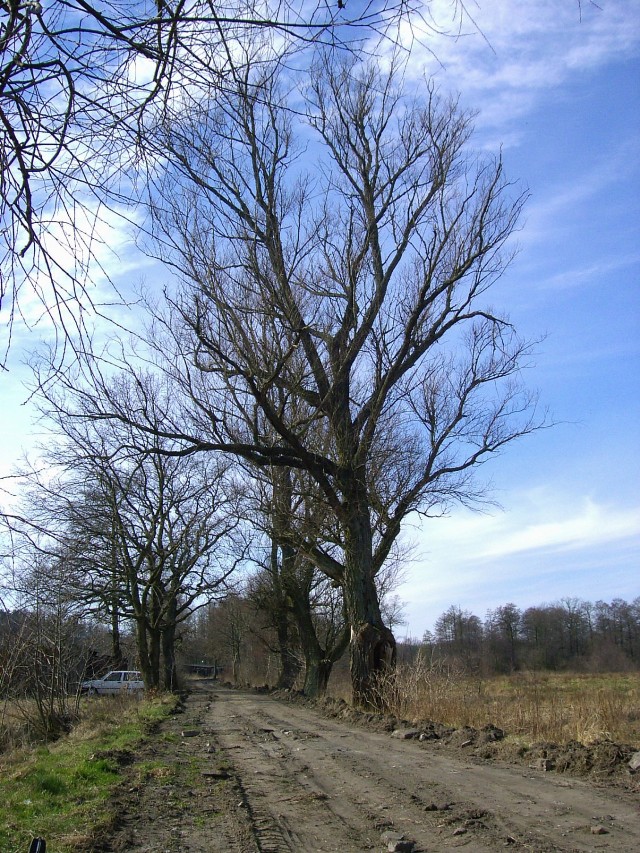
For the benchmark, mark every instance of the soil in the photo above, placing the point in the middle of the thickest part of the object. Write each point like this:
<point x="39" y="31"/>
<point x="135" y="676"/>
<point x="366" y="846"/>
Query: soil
<point x="248" y="772"/>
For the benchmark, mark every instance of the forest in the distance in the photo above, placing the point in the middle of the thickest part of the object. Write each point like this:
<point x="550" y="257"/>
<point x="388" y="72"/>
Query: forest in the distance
<point x="570" y="634"/>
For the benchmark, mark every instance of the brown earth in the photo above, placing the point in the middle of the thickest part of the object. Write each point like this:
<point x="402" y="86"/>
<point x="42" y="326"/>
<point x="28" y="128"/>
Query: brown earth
<point x="247" y="772"/>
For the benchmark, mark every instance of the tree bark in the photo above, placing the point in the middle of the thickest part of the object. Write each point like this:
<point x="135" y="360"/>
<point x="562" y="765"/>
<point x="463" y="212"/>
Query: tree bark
<point x="142" y="642"/>
<point x="155" y="644"/>
<point x="117" y="658"/>
<point x="169" y="669"/>
<point x="372" y="649"/>
<point x="316" y="675"/>
<point x="289" y="666"/>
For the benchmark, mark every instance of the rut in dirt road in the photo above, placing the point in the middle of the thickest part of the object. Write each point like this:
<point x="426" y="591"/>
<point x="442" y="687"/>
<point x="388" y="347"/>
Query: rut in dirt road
<point x="310" y="784"/>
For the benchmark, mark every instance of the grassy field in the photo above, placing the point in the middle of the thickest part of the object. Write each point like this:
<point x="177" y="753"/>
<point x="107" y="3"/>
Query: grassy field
<point x="531" y="706"/>
<point x="60" y="791"/>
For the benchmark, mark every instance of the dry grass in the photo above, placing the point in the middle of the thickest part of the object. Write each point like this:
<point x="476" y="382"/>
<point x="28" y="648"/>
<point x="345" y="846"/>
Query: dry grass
<point x="19" y="720"/>
<point x="20" y="724"/>
<point x="532" y="706"/>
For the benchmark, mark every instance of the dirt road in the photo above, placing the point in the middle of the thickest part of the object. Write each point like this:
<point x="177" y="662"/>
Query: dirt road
<point x="244" y="772"/>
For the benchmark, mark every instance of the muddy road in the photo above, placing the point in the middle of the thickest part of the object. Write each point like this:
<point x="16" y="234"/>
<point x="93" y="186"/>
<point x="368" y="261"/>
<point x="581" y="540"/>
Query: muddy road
<point x="240" y="771"/>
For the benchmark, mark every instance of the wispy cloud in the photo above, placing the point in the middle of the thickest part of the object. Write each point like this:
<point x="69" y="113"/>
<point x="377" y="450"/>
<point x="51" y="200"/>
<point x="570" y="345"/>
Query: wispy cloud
<point x="539" y="520"/>
<point x="589" y="525"/>
<point x="548" y="546"/>
<point x="595" y="272"/>
<point x="507" y="57"/>
<point x="567" y="196"/>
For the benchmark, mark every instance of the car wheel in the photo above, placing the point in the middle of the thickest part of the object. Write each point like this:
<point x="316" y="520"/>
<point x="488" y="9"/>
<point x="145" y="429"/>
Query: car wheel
<point x="92" y="691"/>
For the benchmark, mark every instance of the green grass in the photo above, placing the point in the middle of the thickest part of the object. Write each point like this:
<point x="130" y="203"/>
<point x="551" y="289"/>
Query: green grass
<point x="61" y="792"/>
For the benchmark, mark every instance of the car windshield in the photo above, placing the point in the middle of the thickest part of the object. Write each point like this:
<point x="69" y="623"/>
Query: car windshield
<point x="113" y="676"/>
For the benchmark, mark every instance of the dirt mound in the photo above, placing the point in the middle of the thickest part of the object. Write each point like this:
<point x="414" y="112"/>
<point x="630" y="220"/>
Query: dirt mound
<point x="600" y="760"/>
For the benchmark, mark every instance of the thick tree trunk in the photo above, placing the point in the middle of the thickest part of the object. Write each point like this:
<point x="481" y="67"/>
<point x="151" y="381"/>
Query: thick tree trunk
<point x="142" y="643"/>
<point x="155" y="644"/>
<point x="372" y="649"/>
<point x="372" y="653"/>
<point x="289" y="665"/>
<point x="319" y="661"/>
<point x="317" y="665"/>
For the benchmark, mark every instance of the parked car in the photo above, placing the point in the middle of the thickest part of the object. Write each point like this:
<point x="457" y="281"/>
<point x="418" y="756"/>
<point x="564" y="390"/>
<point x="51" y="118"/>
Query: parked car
<point x="114" y="682"/>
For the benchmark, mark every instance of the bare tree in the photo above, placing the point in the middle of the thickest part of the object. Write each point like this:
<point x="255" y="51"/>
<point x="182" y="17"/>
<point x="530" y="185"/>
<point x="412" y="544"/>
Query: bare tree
<point x="147" y="536"/>
<point x="459" y="634"/>
<point x="289" y="510"/>
<point x="336" y="320"/>
<point x="45" y="647"/>
<point x="502" y="630"/>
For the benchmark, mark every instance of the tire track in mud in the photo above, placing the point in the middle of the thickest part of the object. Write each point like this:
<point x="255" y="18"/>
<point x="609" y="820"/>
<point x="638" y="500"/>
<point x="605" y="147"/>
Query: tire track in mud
<point x="288" y="808"/>
<point x="313" y="784"/>
<point x="338" y="802"/>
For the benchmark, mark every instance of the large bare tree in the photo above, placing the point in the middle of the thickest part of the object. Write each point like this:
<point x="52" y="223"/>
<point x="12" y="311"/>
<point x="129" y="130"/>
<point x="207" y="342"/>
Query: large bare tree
<point x="335" y="317"/>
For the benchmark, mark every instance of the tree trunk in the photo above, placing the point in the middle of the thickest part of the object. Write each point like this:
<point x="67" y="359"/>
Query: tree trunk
<point x="372" y="653"/>
<point x="317" y="665"/>
<point x="142" y="643"/>
<point x="289" y="665"/>
<point x="316" y="676"/>
<point x="372" y="649"/>
<point x="117" y="658"/>
<point x="319" y="661"/>
<point x="169" y="669"/>
<point x="155" y="645"/>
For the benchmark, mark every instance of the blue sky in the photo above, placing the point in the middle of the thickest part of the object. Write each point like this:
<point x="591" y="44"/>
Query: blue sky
<point x="561" y="96"/>
<point x="558" y="90"/>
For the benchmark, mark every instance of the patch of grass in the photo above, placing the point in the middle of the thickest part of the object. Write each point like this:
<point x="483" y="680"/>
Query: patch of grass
<point x="60" y="792"/>
<point x="171" y="737"/>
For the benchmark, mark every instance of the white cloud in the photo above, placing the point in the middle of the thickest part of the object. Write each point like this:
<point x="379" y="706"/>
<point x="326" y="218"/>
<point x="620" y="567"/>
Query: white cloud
<point x="539" y="520"/>
<point x="508" y="56"/>
<point x="95" y="250"/>
<point x="548" y="546"/>
<point x="589" y="525"/>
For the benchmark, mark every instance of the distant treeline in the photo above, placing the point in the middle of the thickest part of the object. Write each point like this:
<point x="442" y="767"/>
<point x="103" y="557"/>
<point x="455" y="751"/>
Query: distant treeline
<point x="569" y="634"/>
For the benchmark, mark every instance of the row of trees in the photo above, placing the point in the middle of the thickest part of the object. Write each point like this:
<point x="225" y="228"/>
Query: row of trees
<point x="137" y="538"/>
<point x="568" y="634"/>
<point x="326" y="363"/>
<point x="140" y="543"/>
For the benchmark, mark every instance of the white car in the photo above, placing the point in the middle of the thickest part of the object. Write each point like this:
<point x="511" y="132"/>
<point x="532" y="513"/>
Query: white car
<point x="114" y="682"/>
